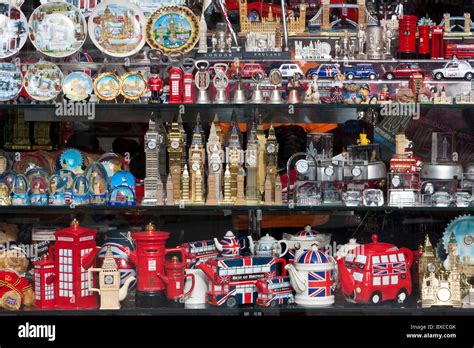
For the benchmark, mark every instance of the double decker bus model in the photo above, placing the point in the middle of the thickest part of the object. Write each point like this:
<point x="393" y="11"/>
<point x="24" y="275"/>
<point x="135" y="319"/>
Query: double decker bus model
<point x="199" y="251"/>
<point x="459" y="51"/>
<point x="275" y="291"/>
<point x="232" y="281"/>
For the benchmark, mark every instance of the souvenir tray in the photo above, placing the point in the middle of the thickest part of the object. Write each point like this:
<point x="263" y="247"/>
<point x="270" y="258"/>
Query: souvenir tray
<point x="77" y="86"/>
<point x="172" y="29"/>
<point x="107" y="86"/>
<point x="116" y="28"/>
<point x="11" y="81"/>
<point x="43" y="81"/>
<point x="57" y="29"/>
<point x="13" y="26"/>
<point x="150" y="6"/>
<point x="85" y="7"/>
<point x="134" y="85"/>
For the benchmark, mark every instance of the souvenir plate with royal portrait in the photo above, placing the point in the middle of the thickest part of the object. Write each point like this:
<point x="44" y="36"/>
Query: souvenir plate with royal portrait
<point x="11" y="81"/>
<point x="107" y="86"/>
<point x="77" y="86"/>
<point x="13" y="26"/>
<point x="57" y="29"/>
<point x="43" y="81"/>
<point x="85" y="6"/>
<point x="172" y="29"/>
<point x="116" y="28"/>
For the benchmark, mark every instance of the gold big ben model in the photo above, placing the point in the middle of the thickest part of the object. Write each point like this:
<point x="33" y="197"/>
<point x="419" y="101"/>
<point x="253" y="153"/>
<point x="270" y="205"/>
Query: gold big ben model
<point x="234" y="158"/>
<point x="176" y="149"/>
<point x="152" y="150"/>
<point x="215" y="159"/>
<point x="251" y="164"/>
<point x="261" y="166"/>
<point x="197" y="155"/>
<point x="271" y="155"/>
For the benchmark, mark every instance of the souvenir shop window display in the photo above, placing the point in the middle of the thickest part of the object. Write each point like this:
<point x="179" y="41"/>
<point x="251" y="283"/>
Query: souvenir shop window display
<point x="57" y="187"/>
<point x="122" y="189"/>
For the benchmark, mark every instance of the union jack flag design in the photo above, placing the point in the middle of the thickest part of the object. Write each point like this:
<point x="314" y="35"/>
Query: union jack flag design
<point x="313" y="256"/>
<point x="389" y="268"/>
<point x="320" y="284"/>
<point x="307" y="233"/>
<point x="230" y="247"/>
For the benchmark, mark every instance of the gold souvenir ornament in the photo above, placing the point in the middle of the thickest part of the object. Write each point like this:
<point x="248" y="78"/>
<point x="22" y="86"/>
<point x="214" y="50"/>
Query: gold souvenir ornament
<point x="133" y="86"/>
<point x="107" y="86"/>
<point x="172" y="29"/>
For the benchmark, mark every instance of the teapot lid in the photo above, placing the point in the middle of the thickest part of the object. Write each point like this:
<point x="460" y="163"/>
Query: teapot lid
<point x="267" y="238"/>
<point x="312" y="256"/>
<point x="307" y="232"/>
<point x="229" y="234"/>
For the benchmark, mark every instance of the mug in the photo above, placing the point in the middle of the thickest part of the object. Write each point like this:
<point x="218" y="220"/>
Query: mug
<point x="197" y="296"/>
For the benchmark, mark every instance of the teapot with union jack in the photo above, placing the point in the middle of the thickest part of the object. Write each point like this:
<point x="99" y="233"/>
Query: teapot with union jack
<point x="229" y="246"/>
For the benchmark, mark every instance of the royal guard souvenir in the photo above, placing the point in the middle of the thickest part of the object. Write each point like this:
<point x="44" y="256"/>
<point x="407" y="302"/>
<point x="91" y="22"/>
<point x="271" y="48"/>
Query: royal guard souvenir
<point x="228" y="246"/>
<point x="15" y="291"/>
<point x="172" y="29"/>
<point x="229" y="283"/>
<point x="11" y="81"/>
<point x="75" y="251"/>
<point x="57" y="29"/>
<point x="268" y="246"/>
<point x="116" y="28"/>
<point x="133" y="85"/>
<point x="20" y="190"/>
<point x="80" y="191"/>
<point x="78" y="86"/>
<point x="13" y="28"/>
<point x="176" y="85"/>
<point x="122" y="189"/>
<point x="303" y="240"/>
<point x="43" y="81"/>
<point x="110" y="291"/>
<point x="85" y="6"/>
<point x="57" y="187"/>
<point x="374" y="272"/>
<point x="5" y="195"/>
<point x="313" y="278"/>
<point x="107" y="86"/>
<point x="149" y="260"/>
<point x="155" y="85"/>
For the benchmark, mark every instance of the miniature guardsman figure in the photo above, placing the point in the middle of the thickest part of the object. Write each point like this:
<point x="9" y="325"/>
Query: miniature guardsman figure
<point x="363" y="139"/>
<point x="155" y="84"/>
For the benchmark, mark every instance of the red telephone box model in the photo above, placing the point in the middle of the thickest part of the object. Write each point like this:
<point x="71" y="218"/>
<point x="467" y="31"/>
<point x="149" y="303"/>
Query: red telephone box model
<point x="407" y="36"/>
<point x="437" y="42"/>
<point x="74" y="253"/>
<point x="44" y="284"/>
<point x="188" y="88"/>
<point x="149" y="259"/>
<point x="375" y="272"/>
<point x="176" y="86"/>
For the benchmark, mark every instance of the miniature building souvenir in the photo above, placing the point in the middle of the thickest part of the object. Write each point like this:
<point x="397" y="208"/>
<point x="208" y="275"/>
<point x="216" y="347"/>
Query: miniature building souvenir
<point x="11" y="81"/>
<point x="13" y="28"/>
<point x="153" y="142"/>
<point x="57" y="29"/>
<point x="78" y="86"/>
<point x="117" y="28"/>
<point x="43" y="81"/>
<point x="313" y="50"/>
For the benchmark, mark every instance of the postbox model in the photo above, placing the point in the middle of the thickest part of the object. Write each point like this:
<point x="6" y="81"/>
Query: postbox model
<point x="149" y="260"/>
<point x="176" y="85"/>
<point x="424" y="41"/>
<point x="407" y="36"/>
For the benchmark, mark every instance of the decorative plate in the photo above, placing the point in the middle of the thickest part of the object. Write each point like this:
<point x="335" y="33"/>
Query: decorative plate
<point x="134" y="85"/>
<point x="71" y="159"/>
<point x="85" y="7"/>
<point x="13" y="26"/>
<point x="150" y="6"/>
<point x="57" y="29"/>
<point x="11" y="81"/>
<point x="77" y="86"/>
<point x="172" y="29"/>
<point x="116" y="28"/>
<point x="43" y="81"/>
<point x="107" y="86"/>
<point x="459" y="233"/>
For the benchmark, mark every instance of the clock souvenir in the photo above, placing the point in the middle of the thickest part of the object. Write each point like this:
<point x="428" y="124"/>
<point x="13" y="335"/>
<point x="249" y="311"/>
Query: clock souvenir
<point x="176" y="153"/>
<point x="13" y="26"/>
<point x="234" y="155"/>
<point x="302" y="166"/>
<point x="57" y="29"/>
<point x="271" y="151"/>
<point x="172" y="29"/>
<point x="251" y="165"/>
<point x="197" y="154"/>
<point x="215" y="160"/>
<point x="11" y="81"/>
<point x="153" y="142"/>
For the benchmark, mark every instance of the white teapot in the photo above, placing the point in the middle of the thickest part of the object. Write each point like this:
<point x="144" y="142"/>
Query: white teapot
<point x="268" y="246"/>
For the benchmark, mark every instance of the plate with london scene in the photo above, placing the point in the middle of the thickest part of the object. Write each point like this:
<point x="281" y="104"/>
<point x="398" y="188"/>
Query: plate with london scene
<point x="11" y="81"/>
<point x="13" y="29"/>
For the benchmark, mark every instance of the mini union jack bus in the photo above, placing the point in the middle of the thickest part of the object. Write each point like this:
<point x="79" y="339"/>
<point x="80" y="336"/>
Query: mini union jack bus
<point x="232" y="281"/>
<point x="274" y="291"/>
<point x="200" y="251"/>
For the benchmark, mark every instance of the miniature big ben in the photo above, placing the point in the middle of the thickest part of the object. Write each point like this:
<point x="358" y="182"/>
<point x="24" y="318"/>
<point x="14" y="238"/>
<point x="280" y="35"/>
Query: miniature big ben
<point x="261" y="166"/>
<point x="251" y="164"/>
<point x="234" y="155"/>
<point x="153" y="142"/>
<point x="197" y="155"/>
<point x="176" y="148"/>
<point x="428" y="261"/>
<point x="215" y="158"/>
<point x="271" y="155"/>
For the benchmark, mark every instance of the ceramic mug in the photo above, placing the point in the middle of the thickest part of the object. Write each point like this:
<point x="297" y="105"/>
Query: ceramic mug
<point x="197" y="297"/>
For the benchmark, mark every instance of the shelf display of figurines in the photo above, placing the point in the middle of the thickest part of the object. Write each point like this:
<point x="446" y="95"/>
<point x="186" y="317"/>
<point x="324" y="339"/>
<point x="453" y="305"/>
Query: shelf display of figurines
<point x="155" y="85"/>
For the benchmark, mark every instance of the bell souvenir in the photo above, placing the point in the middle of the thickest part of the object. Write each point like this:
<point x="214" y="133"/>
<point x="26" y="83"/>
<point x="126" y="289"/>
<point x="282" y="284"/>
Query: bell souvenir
<point x="202" y="80"/>
<point x="275" y="78"/>
<point x="293" y="87"/>
<point x="221" y="81"/>
<point x="257" y="95"/>
<point x="239" y="94"/>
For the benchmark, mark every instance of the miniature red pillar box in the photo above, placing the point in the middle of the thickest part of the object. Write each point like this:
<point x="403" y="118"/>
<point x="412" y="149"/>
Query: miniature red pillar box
<point x="174" y="279"/>
<point x="407" y="36"/>
<point x="424" y="41"/>
<point x="437" y="42"/>
<point x="176" y="85"/>
<point x="44" y="284"/>
<point x="75" y="251"/>
<point x="149" y="259"/>
<point x="188" y="88"/>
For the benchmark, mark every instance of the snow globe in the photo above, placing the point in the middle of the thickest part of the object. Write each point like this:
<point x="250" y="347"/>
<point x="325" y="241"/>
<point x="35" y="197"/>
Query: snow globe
<point x="80" y="191"/>
<point x="56" y="190"/>
<point x="122" y="189"/>
<point x="20" y="190"/>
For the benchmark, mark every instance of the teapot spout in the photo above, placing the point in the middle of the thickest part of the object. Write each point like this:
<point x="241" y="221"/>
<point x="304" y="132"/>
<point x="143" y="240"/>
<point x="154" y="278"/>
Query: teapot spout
<point x="298" y="283"/>
<point x="124" y="289"/>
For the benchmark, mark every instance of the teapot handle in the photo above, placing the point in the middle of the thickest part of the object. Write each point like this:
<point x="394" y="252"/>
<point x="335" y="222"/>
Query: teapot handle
<point x="193" y="281"/>
<point x="283" y="264"/>
<point x="283" y="252"/>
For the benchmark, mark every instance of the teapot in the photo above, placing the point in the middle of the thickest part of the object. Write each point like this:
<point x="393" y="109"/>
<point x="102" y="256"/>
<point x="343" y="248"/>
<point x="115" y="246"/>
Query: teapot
<point x="302" y="241"/>
<point x="268" y="246"/>
<point x="229" y="246"/>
